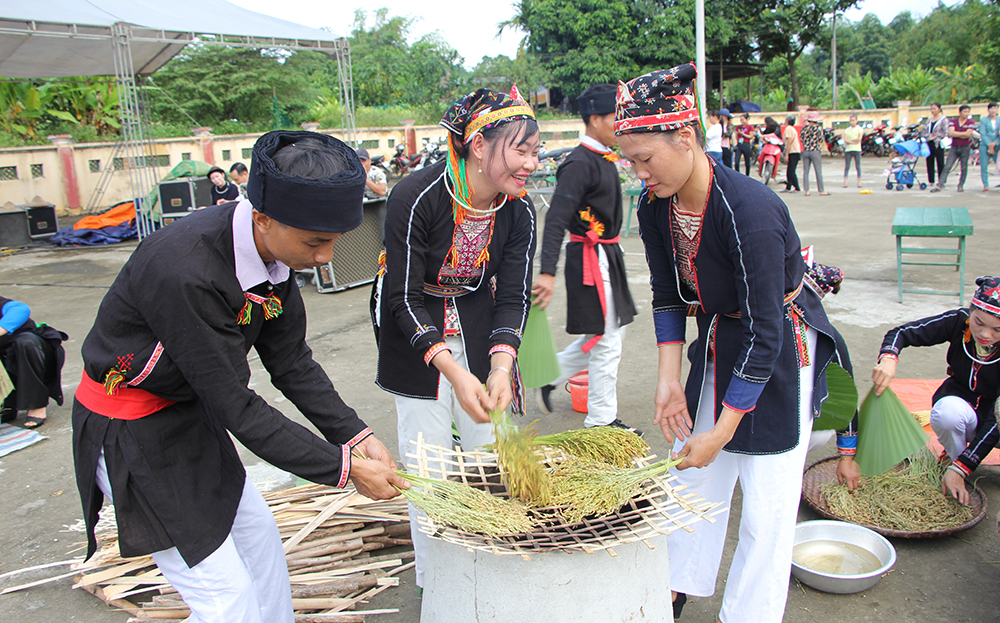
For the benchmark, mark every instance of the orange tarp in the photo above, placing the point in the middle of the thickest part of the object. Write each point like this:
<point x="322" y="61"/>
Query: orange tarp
<point x="917" y="394"/>
<point x="117" y="215"/>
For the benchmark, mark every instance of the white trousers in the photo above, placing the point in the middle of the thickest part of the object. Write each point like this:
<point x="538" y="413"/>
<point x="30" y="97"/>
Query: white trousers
<point x="601" y="362"/>
<point x="757" y="586"/>
<point x="954" y="421"/>
<point x="434" y="418"/>
<point x="245" y="580"/>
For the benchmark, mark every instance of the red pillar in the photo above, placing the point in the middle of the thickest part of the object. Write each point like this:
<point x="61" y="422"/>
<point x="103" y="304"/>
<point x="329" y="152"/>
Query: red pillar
<point x="64" y="143"/>
<point x="206" y="141"/>
<point x="411" y="137"/>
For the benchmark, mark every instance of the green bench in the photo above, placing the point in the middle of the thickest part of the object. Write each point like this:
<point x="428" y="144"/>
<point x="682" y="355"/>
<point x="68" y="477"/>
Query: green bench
<point x="633" y="204"/>
<point x="932" y="223"/>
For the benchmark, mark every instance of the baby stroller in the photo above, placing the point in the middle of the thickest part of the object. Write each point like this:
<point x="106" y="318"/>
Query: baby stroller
<point x="902" y="167"/>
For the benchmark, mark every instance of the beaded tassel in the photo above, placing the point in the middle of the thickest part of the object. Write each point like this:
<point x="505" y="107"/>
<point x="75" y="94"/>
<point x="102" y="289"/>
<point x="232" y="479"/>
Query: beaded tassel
<point x="272" y="307"/>
<point x="381" y="265"/>
<point x="113" y="379"/>
<point x="116" y="375"/>
<point x="799" y="328"/>
<point x="592" y="223"/>
<point x="244" y="316"/>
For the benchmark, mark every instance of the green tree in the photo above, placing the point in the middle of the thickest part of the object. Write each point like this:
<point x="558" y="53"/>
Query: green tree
<point x="214" y="83"/>
<point x="586" y="41"/>
<point x="790" y="27"/>
<point x="947" y="36"/>
<point x="388" y="71"/>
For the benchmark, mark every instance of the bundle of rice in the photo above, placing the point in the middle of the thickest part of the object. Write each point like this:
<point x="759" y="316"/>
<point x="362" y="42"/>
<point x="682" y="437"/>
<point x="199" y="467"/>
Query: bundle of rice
<point x="841" y="405"/>
<point x="909" y="499"/>
<point x="467" y="508"/>
<point x="589" y="488"/>
<point x="887" y="433"/>
<point x="606" y="444"/>
<point x="537" y="356"/>
<point x="526" y="478"/>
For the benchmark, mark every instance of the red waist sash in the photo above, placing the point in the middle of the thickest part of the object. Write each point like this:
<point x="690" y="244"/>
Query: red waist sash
<point x="127" y="403"/>
<point x="592" y="272"/>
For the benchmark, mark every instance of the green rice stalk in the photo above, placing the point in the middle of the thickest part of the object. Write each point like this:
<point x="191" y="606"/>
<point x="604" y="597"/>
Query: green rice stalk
<point x="526" y="478"/>
<point x="466" y="508"/>
<point x="604" y="444"/>
<point x="909" y="499"/>
<point x="590" y="488"/>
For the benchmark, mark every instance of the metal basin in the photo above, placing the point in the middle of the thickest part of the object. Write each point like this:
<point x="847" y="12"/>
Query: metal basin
<point x="851" y="534"/>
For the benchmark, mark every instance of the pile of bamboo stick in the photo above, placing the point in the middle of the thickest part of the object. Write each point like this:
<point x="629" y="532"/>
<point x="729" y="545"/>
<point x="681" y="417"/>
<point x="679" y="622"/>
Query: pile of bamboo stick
<point x="330" y="537"/>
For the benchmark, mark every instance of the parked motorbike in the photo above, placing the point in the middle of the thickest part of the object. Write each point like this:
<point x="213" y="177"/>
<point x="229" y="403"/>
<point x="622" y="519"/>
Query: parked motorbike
<point x="430" y="155"/>
<point x="379" y="161"/>
<point x="401" y="164"/>
<point x="770" y="153"/>
<point x="834" y="143"/>
<point x="876" y="142"/>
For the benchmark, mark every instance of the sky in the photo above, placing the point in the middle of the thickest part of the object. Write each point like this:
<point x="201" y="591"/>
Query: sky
<point x="473" y="36"/>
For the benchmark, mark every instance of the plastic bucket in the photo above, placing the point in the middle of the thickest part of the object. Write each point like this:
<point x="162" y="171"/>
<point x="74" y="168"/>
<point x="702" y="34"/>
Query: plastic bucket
<point x="578" y="386"/>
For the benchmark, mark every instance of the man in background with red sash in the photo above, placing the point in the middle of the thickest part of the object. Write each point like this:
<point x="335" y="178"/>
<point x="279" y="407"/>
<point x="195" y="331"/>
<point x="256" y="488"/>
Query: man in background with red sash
<point x="588" y="202"/>
<point x="166" y="378"/>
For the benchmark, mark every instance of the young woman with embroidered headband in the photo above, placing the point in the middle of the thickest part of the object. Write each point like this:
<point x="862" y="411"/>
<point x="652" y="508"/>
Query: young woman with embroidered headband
<point x="451" y="301"/>
<point x="722" y="247"/>
<point x="964" y="412"/>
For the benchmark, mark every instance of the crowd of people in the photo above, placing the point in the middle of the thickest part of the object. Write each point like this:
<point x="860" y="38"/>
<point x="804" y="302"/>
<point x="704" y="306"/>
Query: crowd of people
<point x="950" y="142"/>
<point x="165" y="388"/>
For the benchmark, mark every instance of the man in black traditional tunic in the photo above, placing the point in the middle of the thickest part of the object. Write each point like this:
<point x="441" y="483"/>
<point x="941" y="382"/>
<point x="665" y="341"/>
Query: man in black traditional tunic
<point x="165" y="383"/>
<point x="588" y="202"/>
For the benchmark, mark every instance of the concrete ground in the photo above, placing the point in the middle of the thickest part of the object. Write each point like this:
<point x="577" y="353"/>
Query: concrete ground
<point x="951" y="579"/>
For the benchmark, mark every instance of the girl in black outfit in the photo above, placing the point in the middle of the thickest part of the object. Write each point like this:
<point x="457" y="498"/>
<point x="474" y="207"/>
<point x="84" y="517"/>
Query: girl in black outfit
<point x="451" y="304"/>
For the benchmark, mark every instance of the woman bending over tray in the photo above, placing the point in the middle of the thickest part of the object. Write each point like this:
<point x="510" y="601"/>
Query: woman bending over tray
<point x="722" y="247"/>
<point x="964" y="411"/>
<point x="451" y="302"/>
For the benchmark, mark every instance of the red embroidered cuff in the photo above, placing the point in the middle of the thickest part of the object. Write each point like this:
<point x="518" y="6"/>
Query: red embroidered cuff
<point x="359" y="437"/>
<point x="887" y="356"/>
<point x="668" y="343"/>
<point x="433" y="351"/>
<point x="960" y="467"/>
<point x="504" y="348"/>
<point x="741" y="411"/>
<point x="345" y="466"/>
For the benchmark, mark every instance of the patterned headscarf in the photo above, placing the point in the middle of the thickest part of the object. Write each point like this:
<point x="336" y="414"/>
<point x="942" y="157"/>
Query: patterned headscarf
<point x="660" y="101"/>
<point x="987" y="296"/>
<point x="475" y="112"/>
<point x="485" y="108"/>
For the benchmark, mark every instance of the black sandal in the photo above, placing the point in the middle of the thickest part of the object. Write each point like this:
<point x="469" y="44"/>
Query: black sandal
<point x="33" y="422"/>
<point x="679" y="604"/>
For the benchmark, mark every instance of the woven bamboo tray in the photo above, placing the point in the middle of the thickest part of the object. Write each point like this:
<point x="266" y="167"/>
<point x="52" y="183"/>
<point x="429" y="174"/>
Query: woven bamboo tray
<point x="659" y="510"/>
<point x="824" y="471"/>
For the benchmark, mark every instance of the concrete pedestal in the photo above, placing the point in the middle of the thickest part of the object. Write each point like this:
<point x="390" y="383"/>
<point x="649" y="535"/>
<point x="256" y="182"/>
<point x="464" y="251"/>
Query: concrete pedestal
<point x="551" y="587"/>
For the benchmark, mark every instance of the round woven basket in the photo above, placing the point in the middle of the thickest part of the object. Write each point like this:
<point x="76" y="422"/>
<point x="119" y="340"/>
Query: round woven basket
<point x="824" y="471"/>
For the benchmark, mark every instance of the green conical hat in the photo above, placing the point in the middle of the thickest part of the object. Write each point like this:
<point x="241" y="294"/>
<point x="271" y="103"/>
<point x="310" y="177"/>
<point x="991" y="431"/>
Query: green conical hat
<point x="537" y="355"/>
<point x="887" y="433"/>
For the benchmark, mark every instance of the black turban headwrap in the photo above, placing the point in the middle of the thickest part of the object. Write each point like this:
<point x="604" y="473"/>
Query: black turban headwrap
<point x="597" y="102"/>
<point x="329" y="205"/>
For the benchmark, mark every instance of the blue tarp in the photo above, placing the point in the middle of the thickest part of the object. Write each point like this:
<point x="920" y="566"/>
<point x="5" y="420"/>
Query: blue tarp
<point x="106" y="235"/>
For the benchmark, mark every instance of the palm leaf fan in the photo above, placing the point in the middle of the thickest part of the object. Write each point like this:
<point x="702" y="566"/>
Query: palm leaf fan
<point x="842" y="402"/>
<point x="537" y="355"/>
<point x="887" y="433"/>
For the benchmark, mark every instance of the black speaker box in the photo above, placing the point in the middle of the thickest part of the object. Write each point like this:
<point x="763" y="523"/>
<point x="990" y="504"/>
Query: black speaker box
<point x="176" y="198"/>
<point x="202" y="191"/>
<point x="355" y="254"/>
<point x="42" y="221"/>
<point x="14" y="229"/>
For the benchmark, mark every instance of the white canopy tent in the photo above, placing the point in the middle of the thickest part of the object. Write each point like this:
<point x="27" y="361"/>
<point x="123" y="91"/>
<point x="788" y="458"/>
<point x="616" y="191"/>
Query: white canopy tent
<point x="133" y="38"/>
